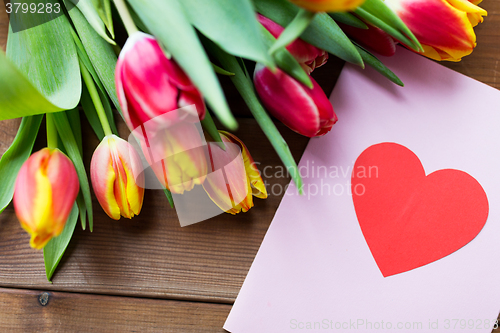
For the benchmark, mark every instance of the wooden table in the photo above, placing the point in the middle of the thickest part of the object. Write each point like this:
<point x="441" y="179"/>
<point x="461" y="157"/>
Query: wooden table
<point x="148" y="273"/>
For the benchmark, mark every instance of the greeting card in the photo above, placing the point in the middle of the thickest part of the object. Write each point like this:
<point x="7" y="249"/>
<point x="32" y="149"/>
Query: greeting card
<point x="399" y="224"/>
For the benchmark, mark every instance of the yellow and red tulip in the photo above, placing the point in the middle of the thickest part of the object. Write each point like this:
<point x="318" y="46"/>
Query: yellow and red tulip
<point x="310" y="57"/>
<point x="443" y="27"/>
<point x="117" y="178"/>
<point x="149" y="84"/>
<point x="233" y="188"/>
<point x="304" y="110"/>
<point x="45" y="191"/>
<point x="328" y="5"/>
<point x="176" y="154"/>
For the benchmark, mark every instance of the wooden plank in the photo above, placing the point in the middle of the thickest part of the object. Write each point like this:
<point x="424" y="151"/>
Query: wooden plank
<point x="151" y="255"/>
<point x="4" y="27"/>
<point x="22" y="311"/>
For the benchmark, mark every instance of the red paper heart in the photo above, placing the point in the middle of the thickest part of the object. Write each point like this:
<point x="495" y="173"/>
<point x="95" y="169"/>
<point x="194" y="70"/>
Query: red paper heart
<point x="410" y="219"/>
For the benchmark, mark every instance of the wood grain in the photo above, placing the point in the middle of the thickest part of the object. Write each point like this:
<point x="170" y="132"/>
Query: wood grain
<point x="4" y="27"/>
<point x="22" y="311"/>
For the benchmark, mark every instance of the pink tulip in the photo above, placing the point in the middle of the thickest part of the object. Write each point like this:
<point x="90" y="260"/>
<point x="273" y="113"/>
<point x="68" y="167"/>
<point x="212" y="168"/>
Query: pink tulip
<point x="45" y="191"/>
<point x="117" y="178"/>
<point x="234" y="178"/>
<point x="149" y="84"/>
<point x="310" y="57"/>
<point x="306" y="111"/>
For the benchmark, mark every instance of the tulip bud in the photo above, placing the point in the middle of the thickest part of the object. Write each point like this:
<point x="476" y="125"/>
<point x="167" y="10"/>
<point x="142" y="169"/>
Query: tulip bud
<point x="117" y="178"/>
<point x="45" y="191"/>
<point x="310" y="57"/>
<point x="373" y="38"/>
<point x="328" y="5"/>
<point x="149" y="84"/>
<point x="443" y="27"/>
<point x="233" y="188"/>
<point x="304" y="110"/>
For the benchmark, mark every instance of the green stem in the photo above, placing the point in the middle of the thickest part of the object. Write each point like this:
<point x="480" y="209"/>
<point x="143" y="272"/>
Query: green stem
<point x="293" y="30"/>
<point x="51" y="131"/>
<point x="127" y="20"/>
<point x="94" y="95"/>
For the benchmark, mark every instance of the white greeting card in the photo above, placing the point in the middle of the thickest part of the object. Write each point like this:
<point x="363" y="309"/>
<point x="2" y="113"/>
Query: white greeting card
<point x="399" y="225"/>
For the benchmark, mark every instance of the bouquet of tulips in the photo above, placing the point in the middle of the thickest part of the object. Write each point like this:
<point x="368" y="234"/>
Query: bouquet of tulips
<point x="163" y="82"/>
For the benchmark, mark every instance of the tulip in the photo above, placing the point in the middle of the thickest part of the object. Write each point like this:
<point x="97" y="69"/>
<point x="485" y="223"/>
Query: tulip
<point x="149" y="84"/>
<point x="310" y="57"/>
<point x="117" y="178"/>
<point x="373" y="38"/>
<point x="328" y="5"/>
<point x="234" y="179"/>
<point x="176" y="155"/>
<point x="304" y="110"/>
<point x="45" y="191"/>
<point x="443" y="27"/>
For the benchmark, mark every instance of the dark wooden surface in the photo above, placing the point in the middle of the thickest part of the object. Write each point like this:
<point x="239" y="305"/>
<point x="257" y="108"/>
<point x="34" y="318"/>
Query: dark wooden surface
<point x="148" y="273"/>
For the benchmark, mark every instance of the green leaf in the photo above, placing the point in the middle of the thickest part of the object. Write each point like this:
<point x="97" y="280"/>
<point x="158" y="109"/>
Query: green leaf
<point x="92" y="15"/>
<point x="74" y="121"/>
<point x="82" y="54"/>
<point x="91" y="113"/>
<point x="245" y="87"/>
<point x="50" y="66"/>
<point x="209" y="126"/>
<point x="377" y="13"/>
<point x="15" y="156"/>
<point x="167" y="21"/>
<point x="349" y="19"/>
<point x="294" y="29"/>
<point x="371" y="60"/>
<point x="103" y="8"/>
<point x="19" y="97"/>
<point x="80" y="202"/>
<point x="100" y="53"/>
<point x="76" y="127"/>
<point x="323" y="32"/>
<point x="221" y="71"/>
<point x="168" y="194"/>
<point x="286" y="61"/>
<point x="55" y="248"/>
<point x="63" y="128"/>
<point x="232" y="25"/>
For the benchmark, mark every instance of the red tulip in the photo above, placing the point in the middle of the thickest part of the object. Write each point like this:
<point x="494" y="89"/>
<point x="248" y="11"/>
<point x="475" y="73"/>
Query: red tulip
<point x="45" y="191"/>
<point x="149" y="84"/>
<point x="117" y="178"/>
<point x="306" y="111"/>
<point x="310" y="57"/>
